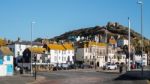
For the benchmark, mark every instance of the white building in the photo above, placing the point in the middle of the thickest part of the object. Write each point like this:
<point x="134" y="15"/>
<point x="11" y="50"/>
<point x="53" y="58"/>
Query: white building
<point x="138" y="59"/>
<point x="18" y="47"/>
<point x="60" y="53"/>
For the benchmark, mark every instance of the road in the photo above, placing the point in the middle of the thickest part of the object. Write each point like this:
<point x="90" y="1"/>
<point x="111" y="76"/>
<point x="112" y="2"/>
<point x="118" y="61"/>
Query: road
<point x="84" y="77"/>
<point x="72" y="77"/>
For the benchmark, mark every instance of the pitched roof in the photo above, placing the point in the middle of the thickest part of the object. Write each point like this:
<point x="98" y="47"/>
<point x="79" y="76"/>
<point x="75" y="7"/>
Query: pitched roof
<point x="5" y="51"/>
<point x="37" y="50"/>
<point x="28" y="43"/>
<point x="56" y="46"/>
<point x="68" y="46"/>
<point x="97" y="44"/>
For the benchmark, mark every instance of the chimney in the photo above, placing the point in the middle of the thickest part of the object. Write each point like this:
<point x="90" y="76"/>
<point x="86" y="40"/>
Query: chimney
<point x="18" y="39"/>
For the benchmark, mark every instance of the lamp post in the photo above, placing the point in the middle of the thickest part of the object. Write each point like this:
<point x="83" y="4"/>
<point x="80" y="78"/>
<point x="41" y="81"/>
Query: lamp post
<point x="31" y="45"/>
<point x="129" y="51"/>
<point x="35" y="58"/>
<point x="106" y="45"/>
<point x="141" y="5"/>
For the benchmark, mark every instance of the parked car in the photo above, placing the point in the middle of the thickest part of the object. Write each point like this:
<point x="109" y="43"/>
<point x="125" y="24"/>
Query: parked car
<point x="73" y="66"/>
<point x="65" y="66"/>
<point x="57" y="67"/>
<point x="110" y="66"/>
<point x="133" y="66"/>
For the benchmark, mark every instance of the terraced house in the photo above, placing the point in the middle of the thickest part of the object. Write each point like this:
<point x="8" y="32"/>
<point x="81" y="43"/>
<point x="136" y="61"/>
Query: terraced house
<point x="60" y="53"/>
<point x="94" y="53"/>
<point x="36" y="53"/>
<point x="18" y="48"/>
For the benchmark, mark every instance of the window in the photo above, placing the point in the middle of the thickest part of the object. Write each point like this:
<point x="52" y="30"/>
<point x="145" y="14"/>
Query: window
<point x="86" y="49"/>
<point x="18" y="53"/>
<point x="86" y="57"/>
<point x="64" y="58"/>
<point x="11" y="49"/>
<point x="90" y="49"/>
<point x="100" y="52"/>
<point x="93" y="57"/>
<point x="59" y="57"/>
<point x="55" y="58"/>
<point x="8" y="58"/>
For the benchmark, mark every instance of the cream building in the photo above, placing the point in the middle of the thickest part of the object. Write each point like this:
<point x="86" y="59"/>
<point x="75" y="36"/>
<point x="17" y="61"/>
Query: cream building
<point x="94" y="53"/>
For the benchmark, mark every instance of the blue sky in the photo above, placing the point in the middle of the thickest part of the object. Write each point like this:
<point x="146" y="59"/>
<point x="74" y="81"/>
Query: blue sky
<point x="54" y="17"/>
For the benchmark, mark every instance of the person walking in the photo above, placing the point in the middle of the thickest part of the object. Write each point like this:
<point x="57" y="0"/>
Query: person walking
<point x="121" y="68"/>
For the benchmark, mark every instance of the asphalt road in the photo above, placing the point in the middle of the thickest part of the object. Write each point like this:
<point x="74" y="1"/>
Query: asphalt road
<point x="85" y="77"/>
<point x="72" y="77"/>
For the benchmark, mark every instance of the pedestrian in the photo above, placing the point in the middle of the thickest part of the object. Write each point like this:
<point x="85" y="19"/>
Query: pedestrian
<point x="121" y="68"/>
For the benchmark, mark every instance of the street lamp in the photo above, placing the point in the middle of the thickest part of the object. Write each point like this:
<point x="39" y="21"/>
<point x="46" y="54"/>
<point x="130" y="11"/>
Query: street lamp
<point x="35" y="58"/>
<point x="129" y="51"/>
<point x="141" y="4"/>
<point x="106" y="45"/>
<point x="31" y="44"/>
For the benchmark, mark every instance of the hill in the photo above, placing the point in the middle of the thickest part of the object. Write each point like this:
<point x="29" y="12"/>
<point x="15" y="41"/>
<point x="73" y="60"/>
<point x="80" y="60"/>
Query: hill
<point x="113" y="29"/>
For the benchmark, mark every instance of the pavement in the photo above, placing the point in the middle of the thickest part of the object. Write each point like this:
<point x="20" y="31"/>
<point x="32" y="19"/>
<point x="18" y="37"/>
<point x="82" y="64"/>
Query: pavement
<point x="20" y="79"/>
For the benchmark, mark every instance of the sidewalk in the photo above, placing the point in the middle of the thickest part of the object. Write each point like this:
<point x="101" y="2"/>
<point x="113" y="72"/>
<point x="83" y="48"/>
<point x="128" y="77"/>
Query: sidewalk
<point x="20" y="79"/>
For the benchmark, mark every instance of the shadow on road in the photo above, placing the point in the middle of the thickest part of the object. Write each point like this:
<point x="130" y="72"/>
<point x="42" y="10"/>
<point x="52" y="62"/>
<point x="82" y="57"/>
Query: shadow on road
<point x="134" y="75"/>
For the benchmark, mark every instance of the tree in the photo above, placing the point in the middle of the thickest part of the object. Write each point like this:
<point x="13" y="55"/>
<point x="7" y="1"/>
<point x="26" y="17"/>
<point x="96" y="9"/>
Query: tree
<point x="38" y="40"/>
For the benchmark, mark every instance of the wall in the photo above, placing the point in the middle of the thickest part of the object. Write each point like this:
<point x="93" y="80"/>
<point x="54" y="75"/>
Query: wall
<point x="80" y="54"/>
